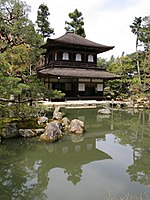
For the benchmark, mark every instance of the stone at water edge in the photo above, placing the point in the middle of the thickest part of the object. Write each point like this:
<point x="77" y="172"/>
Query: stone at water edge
<point x="39" y="131"/>
<point x="10" y="131"/>
<point x="65" y="124"/>
<point x="76" y="126"/>
<point x="27" y="133"/>
<point x="57" y="114"/>
<point x="105" y="111"/>
<point x="52" y="133"/>
<point x="42" y="120"/>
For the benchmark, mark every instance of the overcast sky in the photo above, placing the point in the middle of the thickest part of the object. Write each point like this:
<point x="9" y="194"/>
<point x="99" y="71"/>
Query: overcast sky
<point x="106" y="21"/>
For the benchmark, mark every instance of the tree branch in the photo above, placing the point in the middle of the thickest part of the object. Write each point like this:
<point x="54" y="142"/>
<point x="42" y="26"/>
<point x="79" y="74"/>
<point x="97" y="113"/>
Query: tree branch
<point x="14" y="101"/>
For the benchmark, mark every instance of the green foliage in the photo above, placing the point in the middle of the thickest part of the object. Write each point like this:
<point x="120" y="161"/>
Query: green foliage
<point x="19" y="53"/>
<point x="102" y="63"/>
<point x="77" y="23"/>
<point x="42" y="21"/>
<point x="37" y="89"/>
<point x="14" y="21"/>
<point x="145" y="32"/>
<point x="23" y="111"/>
<point x="16" y="30"/>
<point x="141" y="28"/>
<point x="136" y="27"/>
<point x="134" y="69"/>
<point x="123" y="66"/>
<point x="14" y="63"/>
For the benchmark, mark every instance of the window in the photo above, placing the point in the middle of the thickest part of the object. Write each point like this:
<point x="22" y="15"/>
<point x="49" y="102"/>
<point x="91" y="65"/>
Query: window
<point x="55" y="56"/>
<point x="78" y="57"/>
<point x="100" y="87"/>
<point x="90" y="58"/>
<point x="81" y="87"/>
<point x="68" y="87"/>
<point x="65" y="56"/>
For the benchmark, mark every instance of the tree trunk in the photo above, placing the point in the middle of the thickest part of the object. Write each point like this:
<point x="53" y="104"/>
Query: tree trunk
<point x="137" y="61"/>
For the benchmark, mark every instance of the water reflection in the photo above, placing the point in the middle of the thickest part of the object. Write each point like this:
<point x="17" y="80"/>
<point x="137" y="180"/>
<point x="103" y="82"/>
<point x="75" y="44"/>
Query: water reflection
<point x="114" y="149"/>
<point x="25" y="165"/>
<point x="132" y="127"/>
<point x="139" y="171"/>
<point x="135" y="131"/>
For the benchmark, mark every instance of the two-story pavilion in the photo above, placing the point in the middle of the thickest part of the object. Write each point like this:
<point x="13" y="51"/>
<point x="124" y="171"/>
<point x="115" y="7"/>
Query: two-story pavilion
<point x="71" y="66"/>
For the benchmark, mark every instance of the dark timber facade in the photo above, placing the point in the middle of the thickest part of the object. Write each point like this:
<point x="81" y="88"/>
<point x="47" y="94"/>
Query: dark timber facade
<point x="71" y="66"/>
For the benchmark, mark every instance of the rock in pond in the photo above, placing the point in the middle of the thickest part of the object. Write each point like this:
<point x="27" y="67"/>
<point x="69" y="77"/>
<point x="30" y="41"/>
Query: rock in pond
<point x="104" y="111"/>
<point x="76" y="126"/>
<point x="39" y="131"/>
<point x="42" y="120"/>
<point x="65" y="123"/>
<point x="57" y="114"/>
<point x="27" y="133"/>
<point x="52" y="132"/>
<point x="10" y="131"/>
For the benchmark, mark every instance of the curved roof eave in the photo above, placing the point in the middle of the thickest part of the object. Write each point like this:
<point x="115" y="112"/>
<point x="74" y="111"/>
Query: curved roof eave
<point x="74" y="40"/>
<point x="78" y="73"/>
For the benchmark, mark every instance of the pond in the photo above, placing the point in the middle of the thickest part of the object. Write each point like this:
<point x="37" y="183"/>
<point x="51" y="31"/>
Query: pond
<point x="111" y="161"/>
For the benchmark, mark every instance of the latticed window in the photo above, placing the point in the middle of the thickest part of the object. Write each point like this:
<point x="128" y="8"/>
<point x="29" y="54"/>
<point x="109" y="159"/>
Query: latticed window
<point x="65" y="56"/>
<point x="78" y="57"/>
<point x="90" y="58"/>
<point x="81" y="86"/>
<point x="55" y="56"/>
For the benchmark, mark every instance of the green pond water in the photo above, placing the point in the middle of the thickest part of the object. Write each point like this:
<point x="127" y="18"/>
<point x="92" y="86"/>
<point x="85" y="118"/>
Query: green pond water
<point x="111" y="161"/>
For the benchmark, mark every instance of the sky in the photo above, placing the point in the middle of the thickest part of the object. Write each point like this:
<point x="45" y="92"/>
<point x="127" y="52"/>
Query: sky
<point x="105" y="21"/>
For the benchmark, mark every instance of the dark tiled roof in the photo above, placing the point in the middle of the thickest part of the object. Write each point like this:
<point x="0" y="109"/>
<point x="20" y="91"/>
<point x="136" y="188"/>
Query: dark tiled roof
<point x="73" y="39"/>
<point x="78" y="73"/>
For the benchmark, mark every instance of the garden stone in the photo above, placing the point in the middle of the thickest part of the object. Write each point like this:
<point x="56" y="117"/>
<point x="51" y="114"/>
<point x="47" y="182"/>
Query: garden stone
<point x="104" y="111"/>
<point x="65" y="123"/>
<point x="52" y="133"/>
<point x="42" y="120"/>
<point x="39" y="131"/>
<point x="27" y="133"/>
<point x="57" y="114"/>
<point x="10" y="131"/>
<point x="76" y="126"/>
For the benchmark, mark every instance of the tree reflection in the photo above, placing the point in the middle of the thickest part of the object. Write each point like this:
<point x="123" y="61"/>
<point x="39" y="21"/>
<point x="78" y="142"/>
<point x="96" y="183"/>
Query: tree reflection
<point x="18" y="174"/>
<point x="134" y="130"/>
<point x="74" y="175"/>
<point x="139" y="171"/>
<point x="25" y="165"/>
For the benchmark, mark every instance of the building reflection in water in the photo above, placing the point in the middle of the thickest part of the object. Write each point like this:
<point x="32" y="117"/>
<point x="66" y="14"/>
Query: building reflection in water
<point x="27" y="166"/>
<point x="72" y="156"/>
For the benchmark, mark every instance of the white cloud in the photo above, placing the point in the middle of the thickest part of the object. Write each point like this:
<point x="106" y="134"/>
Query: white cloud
<point x="102" y="24"/>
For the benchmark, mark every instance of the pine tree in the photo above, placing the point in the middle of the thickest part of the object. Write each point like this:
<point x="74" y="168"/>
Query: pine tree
<point x="136" y="29"/>
<point x="13" y="23"/>
<point x="77" y="23"/>
<point x="42" y="21"/>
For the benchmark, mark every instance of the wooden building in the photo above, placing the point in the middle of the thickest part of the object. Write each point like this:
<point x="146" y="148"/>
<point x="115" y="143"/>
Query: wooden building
<point x="71" y="66"/>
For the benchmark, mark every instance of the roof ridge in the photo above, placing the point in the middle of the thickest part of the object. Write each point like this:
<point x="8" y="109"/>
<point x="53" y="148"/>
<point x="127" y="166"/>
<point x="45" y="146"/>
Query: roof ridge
<point x="73" y="37"/>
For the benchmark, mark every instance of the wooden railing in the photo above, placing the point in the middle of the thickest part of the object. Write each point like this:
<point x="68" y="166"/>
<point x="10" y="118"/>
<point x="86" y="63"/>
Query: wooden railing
<point x="71" y="64"/>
